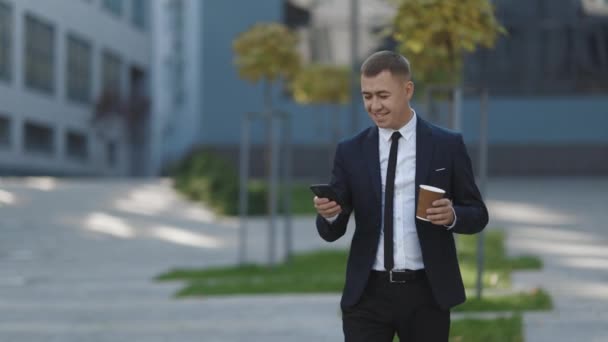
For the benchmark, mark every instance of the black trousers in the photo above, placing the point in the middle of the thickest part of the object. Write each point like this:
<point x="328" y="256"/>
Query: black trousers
<point x="386" y="308"/>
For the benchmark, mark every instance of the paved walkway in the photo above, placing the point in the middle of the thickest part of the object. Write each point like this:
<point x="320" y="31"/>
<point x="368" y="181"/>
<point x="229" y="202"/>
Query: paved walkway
<point x="77" y="259"/>
<point x="565" y="222"/>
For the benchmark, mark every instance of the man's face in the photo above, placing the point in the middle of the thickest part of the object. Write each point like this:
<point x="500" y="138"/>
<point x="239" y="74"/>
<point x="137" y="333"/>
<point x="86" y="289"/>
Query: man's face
<point x="386" y="99"/>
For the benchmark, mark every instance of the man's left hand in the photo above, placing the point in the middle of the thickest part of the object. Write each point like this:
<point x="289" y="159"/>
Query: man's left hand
<point x="441" y="213"/>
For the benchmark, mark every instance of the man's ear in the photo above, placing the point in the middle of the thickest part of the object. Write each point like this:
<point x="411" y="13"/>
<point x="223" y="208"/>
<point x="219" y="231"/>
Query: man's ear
<point x="409" y="88"/>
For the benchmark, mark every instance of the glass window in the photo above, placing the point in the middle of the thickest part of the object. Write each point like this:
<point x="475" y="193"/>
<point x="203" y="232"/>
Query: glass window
<point x="5" y="131"/>
<point x="139" y="13"/>
<point x="6" y="33"/>
<point x="111" y="66"/>
<point x="38" y="138"/>
<point x="76" y="146"/>
<point x="79" y="69"/>
<point x="114" y="6"/>
<point x="39" y="55"/>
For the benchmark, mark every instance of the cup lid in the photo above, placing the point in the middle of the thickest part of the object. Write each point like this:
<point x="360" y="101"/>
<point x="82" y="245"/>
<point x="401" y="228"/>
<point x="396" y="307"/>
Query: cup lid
<point x="432" y="188"/>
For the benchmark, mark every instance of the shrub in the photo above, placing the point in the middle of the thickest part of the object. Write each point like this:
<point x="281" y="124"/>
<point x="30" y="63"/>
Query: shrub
<point x="206" y="177"/>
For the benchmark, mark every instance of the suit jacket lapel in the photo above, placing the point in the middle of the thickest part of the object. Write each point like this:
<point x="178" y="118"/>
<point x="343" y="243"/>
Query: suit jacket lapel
<point x="372" y="155"/>
<point x="424" y="153"/>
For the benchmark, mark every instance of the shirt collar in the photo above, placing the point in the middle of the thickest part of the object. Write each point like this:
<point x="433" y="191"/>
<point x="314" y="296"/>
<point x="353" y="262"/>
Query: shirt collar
<point x="406" y="131"/>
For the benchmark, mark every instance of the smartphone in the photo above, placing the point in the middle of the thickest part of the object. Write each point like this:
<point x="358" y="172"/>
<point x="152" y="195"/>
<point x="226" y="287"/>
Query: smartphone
<point x="326" y="191"/>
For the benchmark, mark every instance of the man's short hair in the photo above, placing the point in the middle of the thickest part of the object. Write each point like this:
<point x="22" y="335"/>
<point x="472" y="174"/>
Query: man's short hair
<point x="380" y="61"/>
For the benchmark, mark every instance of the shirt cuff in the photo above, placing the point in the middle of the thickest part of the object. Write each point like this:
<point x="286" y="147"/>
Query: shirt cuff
<point x="453" y="223"/>
<point x="331" y="219"/>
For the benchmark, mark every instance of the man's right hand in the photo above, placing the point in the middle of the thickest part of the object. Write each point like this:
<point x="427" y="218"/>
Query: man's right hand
<point x="327" y="208"/>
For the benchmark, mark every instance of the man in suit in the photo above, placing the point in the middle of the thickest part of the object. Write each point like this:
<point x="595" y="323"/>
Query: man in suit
<point x="402" y="274"/>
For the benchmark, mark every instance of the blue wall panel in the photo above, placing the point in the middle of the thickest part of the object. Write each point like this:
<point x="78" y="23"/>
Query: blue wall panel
<point x="225" y="96"/>
<point x="545" y="120"/>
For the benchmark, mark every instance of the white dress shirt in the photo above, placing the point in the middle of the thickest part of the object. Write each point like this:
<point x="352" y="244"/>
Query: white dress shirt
<point x="406" y="248"/>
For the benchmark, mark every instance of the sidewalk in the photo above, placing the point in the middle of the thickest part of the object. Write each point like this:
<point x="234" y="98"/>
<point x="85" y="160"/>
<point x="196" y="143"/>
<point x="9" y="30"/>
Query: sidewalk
<point x="77" y="261"/>
<point x="565" y="222"/>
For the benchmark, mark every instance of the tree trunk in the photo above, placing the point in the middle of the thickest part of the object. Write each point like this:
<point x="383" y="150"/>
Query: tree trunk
<point x="267" y="117"/>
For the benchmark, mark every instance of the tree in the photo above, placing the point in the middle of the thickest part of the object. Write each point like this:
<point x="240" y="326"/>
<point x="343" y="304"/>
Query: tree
<point x="323" y="85"/>
<point x="435" y="34"/>
<point x="266" y="52"/>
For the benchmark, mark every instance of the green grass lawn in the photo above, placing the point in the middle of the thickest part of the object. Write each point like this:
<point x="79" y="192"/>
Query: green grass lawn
<point x="497" y="265"/>
<point x="486" y="330"/>
<point x="481" y="330"/>
<point x="323" y="272"/>
<point x="536" y="299"/>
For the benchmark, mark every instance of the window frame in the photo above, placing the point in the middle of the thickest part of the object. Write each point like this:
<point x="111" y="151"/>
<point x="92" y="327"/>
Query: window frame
<point x="6" y="40"/>
<point x="40" y="54"/>
<point x="79" y="68"/>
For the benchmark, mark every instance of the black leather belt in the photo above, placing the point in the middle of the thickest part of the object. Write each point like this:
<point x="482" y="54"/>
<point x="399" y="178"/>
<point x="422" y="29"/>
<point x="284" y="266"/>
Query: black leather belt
<point x="400" y="276"/>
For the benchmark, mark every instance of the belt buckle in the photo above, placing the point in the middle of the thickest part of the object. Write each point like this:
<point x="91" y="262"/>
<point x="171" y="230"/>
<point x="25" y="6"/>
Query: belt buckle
<point x="396" y="281"/>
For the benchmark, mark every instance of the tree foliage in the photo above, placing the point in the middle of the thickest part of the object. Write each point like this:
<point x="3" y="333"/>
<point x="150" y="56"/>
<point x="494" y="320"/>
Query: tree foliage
<point x="267" y="51"/>
<point x="435" y="34"/>
<point x="322" y="84"/>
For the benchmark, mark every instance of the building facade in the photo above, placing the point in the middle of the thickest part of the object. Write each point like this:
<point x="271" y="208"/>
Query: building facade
<point x="177" y="88"/>
<point x="64" y="66"/>
<point x="548" y="108"/>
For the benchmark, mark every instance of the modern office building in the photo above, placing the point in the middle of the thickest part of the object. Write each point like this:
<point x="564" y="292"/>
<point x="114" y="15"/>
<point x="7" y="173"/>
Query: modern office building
<point x="547" y="82"/>
<point x="198" y="98"/>
<point x="74" y="78"/>
<point x="126" y="87"/>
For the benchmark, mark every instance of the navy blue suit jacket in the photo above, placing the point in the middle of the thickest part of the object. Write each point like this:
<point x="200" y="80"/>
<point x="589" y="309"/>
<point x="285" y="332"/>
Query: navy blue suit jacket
<point x="356" y="177"/>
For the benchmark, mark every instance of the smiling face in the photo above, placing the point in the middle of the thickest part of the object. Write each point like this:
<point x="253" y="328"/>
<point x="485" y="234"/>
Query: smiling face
<point x="387" y="99"/>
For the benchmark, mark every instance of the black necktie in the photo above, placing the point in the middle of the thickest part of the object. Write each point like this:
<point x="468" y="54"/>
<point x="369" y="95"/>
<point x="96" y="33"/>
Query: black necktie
<point x="389" y="194"/>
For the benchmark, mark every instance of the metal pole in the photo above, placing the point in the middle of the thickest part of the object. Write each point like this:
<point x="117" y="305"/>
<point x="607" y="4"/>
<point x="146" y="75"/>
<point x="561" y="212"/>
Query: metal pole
<point x="243" y="190"/>
<point x="483" y="175"/>
<point x="427" y="103"/>
<point x="287" y="187"/>
<point x="431" y="113"/>
<point x="457" y="109"/>
<point x="272" y="196"/>
<point x="354" y="62"/>
<point x="483" y="142"/>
